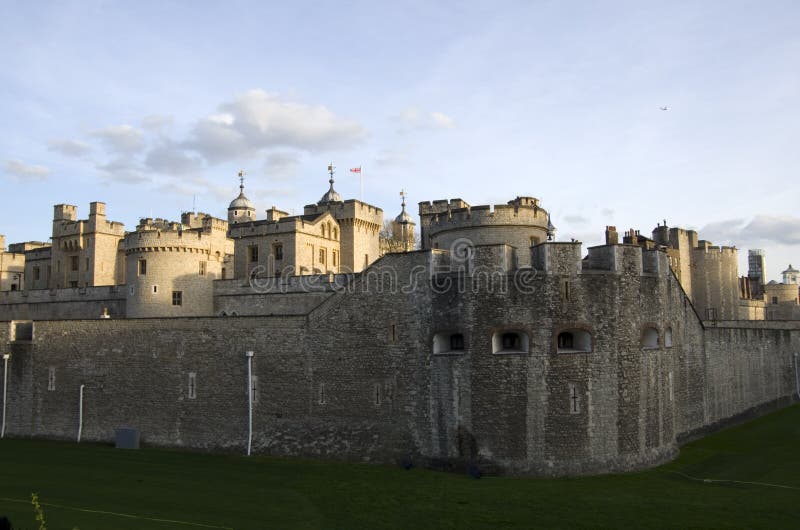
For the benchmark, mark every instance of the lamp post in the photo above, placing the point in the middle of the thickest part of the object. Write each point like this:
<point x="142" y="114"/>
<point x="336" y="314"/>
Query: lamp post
<point x="6" y="357"/>
<point x="249" y="355"/>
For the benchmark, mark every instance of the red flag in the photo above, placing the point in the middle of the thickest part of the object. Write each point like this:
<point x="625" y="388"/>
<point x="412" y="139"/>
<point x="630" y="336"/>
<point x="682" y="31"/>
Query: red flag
<point x="355" y="169"/>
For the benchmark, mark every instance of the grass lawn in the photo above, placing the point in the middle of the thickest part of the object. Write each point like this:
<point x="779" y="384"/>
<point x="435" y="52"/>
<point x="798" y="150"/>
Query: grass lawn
<point x="93" y="486"/>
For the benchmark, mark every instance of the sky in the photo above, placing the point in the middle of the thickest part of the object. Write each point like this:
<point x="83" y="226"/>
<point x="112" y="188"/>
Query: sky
<point x="153" y="108"/>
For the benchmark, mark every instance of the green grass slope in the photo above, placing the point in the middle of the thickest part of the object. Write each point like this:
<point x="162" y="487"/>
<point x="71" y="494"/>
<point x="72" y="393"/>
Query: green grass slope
<point x="747" y="476"/>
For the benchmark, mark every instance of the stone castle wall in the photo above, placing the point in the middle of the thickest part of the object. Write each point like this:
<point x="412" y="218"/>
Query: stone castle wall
<point x="68" y="304"/>
<point x="363" y="375"/>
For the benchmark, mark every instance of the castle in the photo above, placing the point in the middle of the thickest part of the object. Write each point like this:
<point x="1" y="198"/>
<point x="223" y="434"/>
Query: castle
<point x="492" y="345"/>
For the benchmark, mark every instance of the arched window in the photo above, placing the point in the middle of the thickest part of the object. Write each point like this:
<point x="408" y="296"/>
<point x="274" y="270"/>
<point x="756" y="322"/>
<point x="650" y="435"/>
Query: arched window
<point x="650" y="337"/>
<point x="510" y="341"/>
<point x="448" y="342"/>
<point x="335" y="233"/>
<point x="574" y="341"/>
<point x="668" y="338"/>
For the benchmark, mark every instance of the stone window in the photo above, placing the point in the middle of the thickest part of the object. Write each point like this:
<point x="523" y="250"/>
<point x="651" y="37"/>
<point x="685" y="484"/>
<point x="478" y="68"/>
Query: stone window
<point x="51" y="378"/>
<point x="155" y="289"/>
<point x="73" y="263"/>
<point x="448" y="342"/>
<point x="510" y="341"/>
<point x="573" y="341"/>
<point x="21" y="331"/>
<point x="321" y="399"/>
<point x="322" y="256"/>
<point x="73" y="283"/>
<point x="565" y="291"/>
<point x="650" y="338"/>
<point x="668" y="338"/>
<point x="252" y="252"/>
<point x="36" y="273"/>
<point x="177" y="298"/>
<point x="335" y="258"/>
<point x="222" y="274"/>
<point x="574" y="399"/>
<point x="202" y="270"/>
<point x="774" y="300"/>
<point x="377" y="392"/>
<point x="142" y="267"/>
<point x="335" y="233"/>
<point x="393" y="333"/>
<point x="131" y="290"/>
<point x="278" y="251"/>
<point x="192" y="393"/>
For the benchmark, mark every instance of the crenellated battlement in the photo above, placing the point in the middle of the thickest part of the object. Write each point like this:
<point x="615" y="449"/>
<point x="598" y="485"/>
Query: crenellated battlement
<point x="706" y="247"/>
<point x="349" y="209"/>
<point x="486" y="215"/>
<point x="441" y="206"/>
<point x="156" y="240"/>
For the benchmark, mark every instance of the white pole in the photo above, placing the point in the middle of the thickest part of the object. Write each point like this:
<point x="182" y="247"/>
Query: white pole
<point x="249" y="355"/>
<point x="6" y="356"/>
<point x="80" y="414"/>
<point x="796" y="374"/>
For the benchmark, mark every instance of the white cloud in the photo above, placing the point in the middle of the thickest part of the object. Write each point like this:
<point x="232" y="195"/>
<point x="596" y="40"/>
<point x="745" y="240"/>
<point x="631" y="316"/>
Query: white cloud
<point x="69" y="147"/>
<point x="123" y="169"/>
<point x="441" y="120"/>
<point x="415" y="118"/>
<point x="123" y="139"/>
<point x="22" y="171"/>
<point x="576" y="219"/>
<point x="156" y="122"/>
<point x="256" y="121"/>
<point x="388" y="158"/>
<point x="281" y="164"/>
<point x="782" y="229"/>
<point x="170" y="159"/>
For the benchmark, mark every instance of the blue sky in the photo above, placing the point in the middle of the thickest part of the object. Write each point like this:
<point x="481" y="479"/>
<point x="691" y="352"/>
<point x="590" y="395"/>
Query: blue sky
<point x="147" y="105"/>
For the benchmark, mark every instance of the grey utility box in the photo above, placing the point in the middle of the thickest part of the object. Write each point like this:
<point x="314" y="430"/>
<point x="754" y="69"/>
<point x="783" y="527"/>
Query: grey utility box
<point x="126" y="438"/>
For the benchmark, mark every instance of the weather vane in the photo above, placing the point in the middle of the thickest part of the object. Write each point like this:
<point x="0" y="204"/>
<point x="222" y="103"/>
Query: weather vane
<point x="241" y="179"/>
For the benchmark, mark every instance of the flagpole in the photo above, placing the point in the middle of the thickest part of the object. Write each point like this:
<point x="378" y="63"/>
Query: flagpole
<point x="361" y="183"/>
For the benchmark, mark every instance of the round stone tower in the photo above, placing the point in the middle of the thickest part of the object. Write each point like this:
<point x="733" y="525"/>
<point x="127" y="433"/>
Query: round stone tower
<point x="455" y="225"/>
<point x="170" y="267"/>
<point x="241" y="209"/>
